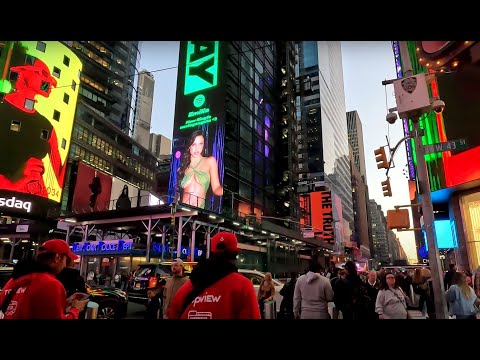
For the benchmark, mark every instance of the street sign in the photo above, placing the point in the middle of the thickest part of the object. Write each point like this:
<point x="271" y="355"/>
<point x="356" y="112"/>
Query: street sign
<point x="446" y="146"/>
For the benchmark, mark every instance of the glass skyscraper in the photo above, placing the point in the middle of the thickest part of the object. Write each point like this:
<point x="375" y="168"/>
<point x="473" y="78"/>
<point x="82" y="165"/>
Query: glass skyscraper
<point x="322" y="132"/>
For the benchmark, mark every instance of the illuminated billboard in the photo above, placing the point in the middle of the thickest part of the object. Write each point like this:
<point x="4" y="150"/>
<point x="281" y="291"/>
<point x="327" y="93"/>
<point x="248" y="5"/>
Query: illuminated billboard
<point x="322" y="215"/>
<point x="196" y="176"/>
<point x="123" y="195"/>
<point x="38" y="95"/>
<point x="445" y="233"/>
<point x="92" y="190"/>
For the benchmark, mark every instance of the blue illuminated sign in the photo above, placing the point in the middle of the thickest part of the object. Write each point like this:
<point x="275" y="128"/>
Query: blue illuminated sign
<point x="445" y="233"/>
<point x="107" y="246"/>
<point x="423" y="252"/>
<point x="157" y="247"/>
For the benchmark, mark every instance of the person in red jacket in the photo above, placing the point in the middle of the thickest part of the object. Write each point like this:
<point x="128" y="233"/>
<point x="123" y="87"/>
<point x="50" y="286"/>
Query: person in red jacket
<point x="215" y="289"/>
<point x="37" y="294"/>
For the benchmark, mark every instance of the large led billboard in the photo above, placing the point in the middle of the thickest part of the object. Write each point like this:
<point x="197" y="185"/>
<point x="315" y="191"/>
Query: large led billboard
<point x="92" y="190"/>
<point x="123" y="196"/>
<point x="38" y="95"/>
<point x="196" y="176"/>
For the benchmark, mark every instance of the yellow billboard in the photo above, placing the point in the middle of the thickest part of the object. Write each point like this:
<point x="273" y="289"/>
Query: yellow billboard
<point x="39" y="84"/>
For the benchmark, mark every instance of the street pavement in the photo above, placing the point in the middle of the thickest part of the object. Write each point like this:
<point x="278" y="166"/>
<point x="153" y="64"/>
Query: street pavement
<point x="135" y="311"/>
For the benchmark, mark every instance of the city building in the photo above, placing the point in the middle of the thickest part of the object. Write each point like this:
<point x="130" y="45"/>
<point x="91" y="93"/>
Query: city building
<point x="379" y="234"/>
<point x="142" y="121"/>
<point x="323" y="153"/>
<point x="355" y="139"/>
<point x="159" y="145"/>
<point x="395" y="248"/>
<point x="242" y="114"/>
<point x="360" y="212"/>
<point x="104" y="113"/>
<point x="362" y="230"/>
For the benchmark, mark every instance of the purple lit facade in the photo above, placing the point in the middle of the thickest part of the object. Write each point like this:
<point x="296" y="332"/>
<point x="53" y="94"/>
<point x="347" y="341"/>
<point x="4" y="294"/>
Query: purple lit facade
<point x="398" y="68"/>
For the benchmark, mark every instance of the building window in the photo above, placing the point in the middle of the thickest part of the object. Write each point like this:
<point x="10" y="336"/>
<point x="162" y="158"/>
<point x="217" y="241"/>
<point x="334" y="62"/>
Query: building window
<point x="29" y="60"/>
<point x="15" y="125"/>
<point x="44" y="134"/>
<point x="41" y="46"/>
<point x="56" y="115"/>
<point x="29" y="104"/>
<point x="66" y="98"/>
<point x="64" y="144"/>
<point x="74" y="85"/>
<point x="13" y="76"/>
<point x="56" y="72"/>
<point x="66" y="60"/>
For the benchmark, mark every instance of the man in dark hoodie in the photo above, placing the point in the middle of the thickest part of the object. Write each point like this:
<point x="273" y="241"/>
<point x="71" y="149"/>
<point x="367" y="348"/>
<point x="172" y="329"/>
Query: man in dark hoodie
<point x="215" y="289"/>
<point x="312" y="294"/>
<point x="71" y="279"/>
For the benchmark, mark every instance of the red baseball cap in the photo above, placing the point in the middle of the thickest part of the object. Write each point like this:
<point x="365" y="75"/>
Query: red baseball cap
<point x="224" y="242"/>
<point x="57" y="246"/>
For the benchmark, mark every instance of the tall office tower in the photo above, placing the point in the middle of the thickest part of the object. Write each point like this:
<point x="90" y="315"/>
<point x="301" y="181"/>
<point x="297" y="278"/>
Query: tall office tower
<point x="379" y="234"/>
<point x="360" y="210"/>
<point x="142" y="121"/>
<point x="362" y="232"/>
<point x="322" y="132"/>
<point x="355" y="139"/>
<point x="159" y="145"/>
<point x="105" y="106"/>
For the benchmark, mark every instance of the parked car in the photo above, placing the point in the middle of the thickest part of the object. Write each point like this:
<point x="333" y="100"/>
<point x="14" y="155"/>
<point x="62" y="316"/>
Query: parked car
<point x="148" y="275"/>
<point x="256" y="277"/>
<point x="6" y="264"/>
<point x="112" y="302"/>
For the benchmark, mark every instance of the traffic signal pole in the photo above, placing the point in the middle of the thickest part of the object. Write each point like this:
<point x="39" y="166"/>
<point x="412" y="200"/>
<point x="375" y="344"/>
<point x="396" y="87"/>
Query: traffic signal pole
<point x="427" y="206"/>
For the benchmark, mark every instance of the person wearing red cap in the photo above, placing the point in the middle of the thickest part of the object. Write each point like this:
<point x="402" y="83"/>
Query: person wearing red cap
<point x="215" y="289"/>
<point x="35" y="293"/>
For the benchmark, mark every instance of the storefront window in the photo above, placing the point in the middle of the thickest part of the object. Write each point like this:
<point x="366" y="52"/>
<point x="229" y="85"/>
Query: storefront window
<point x="470" y="205"/>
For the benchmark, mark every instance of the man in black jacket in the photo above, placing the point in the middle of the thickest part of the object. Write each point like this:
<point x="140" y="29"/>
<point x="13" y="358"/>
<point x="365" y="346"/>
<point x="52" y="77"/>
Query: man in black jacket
<point x="71" y="279"/>
<point x="372" y="285"/>
<point x="286" y="307"/>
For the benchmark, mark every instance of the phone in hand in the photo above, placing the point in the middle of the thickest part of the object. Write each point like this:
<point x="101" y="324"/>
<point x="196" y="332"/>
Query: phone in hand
<point x="78" y="296"/>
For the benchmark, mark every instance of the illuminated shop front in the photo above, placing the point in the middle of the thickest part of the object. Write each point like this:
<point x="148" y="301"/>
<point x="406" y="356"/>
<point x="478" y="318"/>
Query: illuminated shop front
<point x="470" y="208"/>
<point x="107" y="258"/>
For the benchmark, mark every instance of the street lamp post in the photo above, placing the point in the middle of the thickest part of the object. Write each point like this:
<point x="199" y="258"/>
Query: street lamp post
<point x="427" y="206"/>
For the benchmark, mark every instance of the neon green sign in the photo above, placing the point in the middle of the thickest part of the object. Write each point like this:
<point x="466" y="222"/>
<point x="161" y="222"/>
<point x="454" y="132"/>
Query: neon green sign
<point x="201" y="66"/>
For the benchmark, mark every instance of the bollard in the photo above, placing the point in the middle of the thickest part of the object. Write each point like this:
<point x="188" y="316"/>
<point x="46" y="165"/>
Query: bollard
<point x="270" y="309"/>
<point x="92" y="310"/>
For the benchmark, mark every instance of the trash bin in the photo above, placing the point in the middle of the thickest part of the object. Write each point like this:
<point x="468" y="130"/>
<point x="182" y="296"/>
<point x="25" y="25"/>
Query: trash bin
<point x="270" y="309"/>
<point x="92" y="310"/>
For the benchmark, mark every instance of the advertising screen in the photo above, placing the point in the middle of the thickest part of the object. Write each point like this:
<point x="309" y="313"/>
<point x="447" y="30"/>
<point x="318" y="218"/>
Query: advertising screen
<point x="92" y="190"/>
<point x="38" y="95"/>
<point x="196" y="177"/>
<point x="321" y="209"/>
<point x="445" y="233"/>
<point x="123" y="195"/>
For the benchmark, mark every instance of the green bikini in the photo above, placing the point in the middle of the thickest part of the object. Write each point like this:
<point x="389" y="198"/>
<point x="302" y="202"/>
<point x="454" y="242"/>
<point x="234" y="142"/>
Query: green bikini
<point x="203" y="178"/>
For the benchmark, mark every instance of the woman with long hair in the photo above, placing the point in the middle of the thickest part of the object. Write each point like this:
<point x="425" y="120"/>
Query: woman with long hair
<point x="266" y="291"/>
<point x="197" y="172"/>
<point x="391" y="301"/>
<point x="461" y="298"/>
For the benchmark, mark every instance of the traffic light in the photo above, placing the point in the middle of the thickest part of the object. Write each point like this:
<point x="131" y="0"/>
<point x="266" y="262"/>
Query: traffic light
<point x="381" y="158"/>
<point x="387" y="190"/>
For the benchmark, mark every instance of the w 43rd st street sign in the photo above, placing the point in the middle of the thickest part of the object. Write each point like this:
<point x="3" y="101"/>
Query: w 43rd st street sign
<point x="446" y="146"/>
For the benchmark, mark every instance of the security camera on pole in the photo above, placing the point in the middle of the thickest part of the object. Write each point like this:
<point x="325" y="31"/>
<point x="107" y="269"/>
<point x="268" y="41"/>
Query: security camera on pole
<point x="412" y="97"/>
